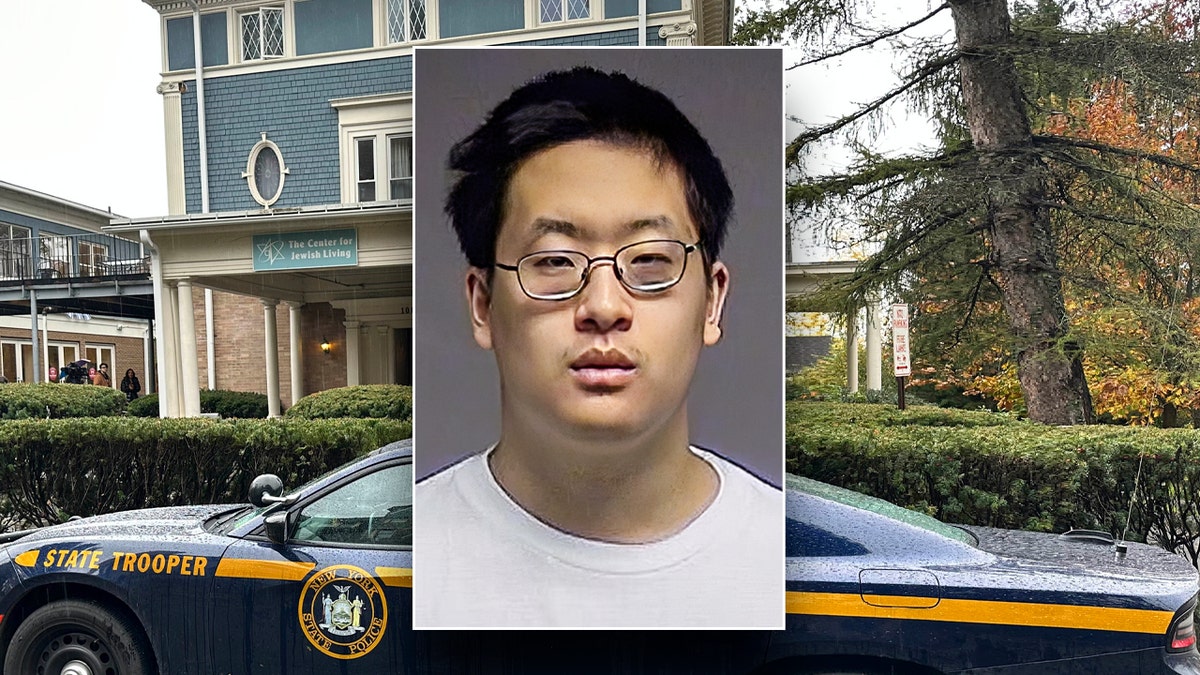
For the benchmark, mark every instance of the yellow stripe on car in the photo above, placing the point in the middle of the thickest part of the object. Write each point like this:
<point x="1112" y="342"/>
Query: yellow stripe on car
<point x="400" y="577"/>
<point x="981" y="611"/>
<point x="263" y="569"/>
<point x="28" y="558"/>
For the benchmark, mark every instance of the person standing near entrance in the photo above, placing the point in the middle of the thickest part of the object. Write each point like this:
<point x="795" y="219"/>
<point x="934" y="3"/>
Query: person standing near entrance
<point x="130" y="385"/>
<point x="102" y="378"/>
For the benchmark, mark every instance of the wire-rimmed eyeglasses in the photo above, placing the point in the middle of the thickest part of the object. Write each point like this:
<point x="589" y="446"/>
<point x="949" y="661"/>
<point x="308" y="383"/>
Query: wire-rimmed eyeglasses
<point x="650" y="266"/>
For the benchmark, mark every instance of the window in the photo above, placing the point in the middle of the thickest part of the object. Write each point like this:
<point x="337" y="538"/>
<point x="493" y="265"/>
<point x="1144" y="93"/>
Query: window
<point x="92" y="259"/>
<point x="262" y="33"/>
<point x="374" y="510"/>
<point x="406" y="20"/>
<point x="563" y="10"/>
<point x="375" y="147"/>
<point x="366" y="168"/>
<point x="14" y="252"/>
<point x="398" y="165"/>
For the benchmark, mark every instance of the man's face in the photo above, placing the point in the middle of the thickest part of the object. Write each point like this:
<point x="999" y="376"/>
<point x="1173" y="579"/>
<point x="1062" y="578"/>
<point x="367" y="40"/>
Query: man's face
<point x="608" y="363"/>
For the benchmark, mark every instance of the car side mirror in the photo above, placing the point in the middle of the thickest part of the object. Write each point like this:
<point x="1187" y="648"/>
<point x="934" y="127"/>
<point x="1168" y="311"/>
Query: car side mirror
<point x="266" y="489"/>
<point x="276" y="526"/>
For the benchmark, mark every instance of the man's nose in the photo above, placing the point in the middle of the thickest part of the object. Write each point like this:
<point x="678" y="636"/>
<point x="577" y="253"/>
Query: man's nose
<point x="604" y="304"/>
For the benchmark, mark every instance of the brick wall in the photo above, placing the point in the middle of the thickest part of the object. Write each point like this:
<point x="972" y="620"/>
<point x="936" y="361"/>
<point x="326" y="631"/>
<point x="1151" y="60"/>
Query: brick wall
<point x="128" y="351"/>
<point x="240" y="352"/>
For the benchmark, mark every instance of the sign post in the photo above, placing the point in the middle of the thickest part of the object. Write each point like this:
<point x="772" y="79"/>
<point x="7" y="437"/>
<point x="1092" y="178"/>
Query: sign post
<point x="901" y="366"/>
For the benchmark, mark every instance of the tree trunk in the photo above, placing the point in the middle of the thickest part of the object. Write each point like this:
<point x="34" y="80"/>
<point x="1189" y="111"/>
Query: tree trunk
<point x="1022" y="246"/>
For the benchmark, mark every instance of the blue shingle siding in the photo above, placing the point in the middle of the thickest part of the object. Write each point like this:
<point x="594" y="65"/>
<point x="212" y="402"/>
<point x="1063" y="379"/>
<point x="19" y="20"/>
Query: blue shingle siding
<point x="616" y="38"/>
<point x="292" y="107"/>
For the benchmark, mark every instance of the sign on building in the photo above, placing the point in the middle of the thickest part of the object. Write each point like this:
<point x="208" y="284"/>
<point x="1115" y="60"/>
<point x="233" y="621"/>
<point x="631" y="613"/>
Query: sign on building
<point x="299" y="250"/>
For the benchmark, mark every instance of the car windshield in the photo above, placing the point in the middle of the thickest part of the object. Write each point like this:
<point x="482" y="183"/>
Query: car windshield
<point x="878" y="506"/>
<point x="228" y="522"/>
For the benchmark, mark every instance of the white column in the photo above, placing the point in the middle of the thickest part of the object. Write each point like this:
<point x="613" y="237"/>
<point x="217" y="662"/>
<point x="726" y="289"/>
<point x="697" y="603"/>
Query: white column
<point x="352" y="374"/>
<point x="874" y="347"/>
<point x="852" y="351"/>
<point x="170" y="393"/>
<point x="147" y="378"/>
<point x="272" y="353"/>
<point x="295" y="351"/>
<point x="387" y="360"/>
<point x="188" y="364"/>
<point x="173" y="127"/>
<point x="210" y="347"/>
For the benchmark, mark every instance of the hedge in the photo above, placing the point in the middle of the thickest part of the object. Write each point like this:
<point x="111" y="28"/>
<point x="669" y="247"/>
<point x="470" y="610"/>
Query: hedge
<point x="19" y="401"/>
<point x="990" y="469"/>
<point x="53" y="469"/>
<point x="227" y="404"/>
<point x="393" y="401"/>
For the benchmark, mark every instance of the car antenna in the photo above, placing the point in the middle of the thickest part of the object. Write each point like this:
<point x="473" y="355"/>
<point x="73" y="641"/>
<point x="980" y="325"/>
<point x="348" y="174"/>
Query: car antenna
<point x="1122" y="547"/>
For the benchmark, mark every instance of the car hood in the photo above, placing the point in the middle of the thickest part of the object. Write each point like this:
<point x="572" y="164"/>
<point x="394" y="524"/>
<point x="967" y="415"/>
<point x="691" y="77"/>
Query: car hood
<point x="1073" y="554"/>
<point x="162" y="524"/>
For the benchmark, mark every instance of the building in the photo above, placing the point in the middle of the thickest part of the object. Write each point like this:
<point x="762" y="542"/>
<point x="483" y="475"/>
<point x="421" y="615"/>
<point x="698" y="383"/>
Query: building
<point x="288" y="242"/>
<point x="69" y="291"/>
<point x="284" y="264"/>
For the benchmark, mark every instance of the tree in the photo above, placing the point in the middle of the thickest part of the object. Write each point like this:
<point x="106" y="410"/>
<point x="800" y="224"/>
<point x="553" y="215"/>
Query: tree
<point x="973" y="231"/>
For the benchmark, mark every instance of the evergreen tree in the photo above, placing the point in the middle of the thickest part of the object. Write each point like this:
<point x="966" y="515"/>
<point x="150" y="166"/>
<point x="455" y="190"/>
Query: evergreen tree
<point x="1015" y="211"/>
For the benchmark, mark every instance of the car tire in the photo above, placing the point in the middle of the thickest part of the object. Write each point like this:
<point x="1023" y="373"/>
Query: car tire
<point x="72" y="636"/>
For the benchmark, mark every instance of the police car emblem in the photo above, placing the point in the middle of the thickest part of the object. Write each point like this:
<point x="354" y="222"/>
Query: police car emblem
<point x="342" y="611"/>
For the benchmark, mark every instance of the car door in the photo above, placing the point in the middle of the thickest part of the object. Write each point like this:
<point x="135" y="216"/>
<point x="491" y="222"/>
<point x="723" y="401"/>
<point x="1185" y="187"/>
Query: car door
<point x="337" y="596"/>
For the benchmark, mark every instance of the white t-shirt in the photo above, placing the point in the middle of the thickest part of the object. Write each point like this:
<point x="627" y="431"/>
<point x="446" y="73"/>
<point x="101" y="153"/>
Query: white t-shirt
<point x="480" y="560"/>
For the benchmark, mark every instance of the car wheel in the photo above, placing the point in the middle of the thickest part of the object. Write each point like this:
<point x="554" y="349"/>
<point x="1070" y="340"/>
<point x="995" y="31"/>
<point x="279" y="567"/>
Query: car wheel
<point x="71" y="637"/>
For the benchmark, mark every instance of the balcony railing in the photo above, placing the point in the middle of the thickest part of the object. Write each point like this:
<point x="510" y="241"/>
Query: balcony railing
<point x="71" y="257"/>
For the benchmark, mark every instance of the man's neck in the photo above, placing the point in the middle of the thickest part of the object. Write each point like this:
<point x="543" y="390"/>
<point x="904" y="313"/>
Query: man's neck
<point x="622" y="491"/>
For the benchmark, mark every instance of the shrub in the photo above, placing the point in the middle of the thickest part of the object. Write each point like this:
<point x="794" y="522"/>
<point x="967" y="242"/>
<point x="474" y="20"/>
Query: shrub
<point x="56" y="401"/>
<point x="228" y="404"/>
<point x="234" y="404"/>
<point x="991" y="469"/>
<point x="392" y="401"/>
<point x="143" y="406"/>
<point x="58" y="468"/>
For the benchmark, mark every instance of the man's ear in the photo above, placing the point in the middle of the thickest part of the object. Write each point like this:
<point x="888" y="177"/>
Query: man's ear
<point x="718" y="288"/>
<point x="479" y="304"/>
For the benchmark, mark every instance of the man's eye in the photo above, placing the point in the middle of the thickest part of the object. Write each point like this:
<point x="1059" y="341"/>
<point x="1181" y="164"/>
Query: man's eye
<point x="554" y="262"/>
<point x="650" y="259"/>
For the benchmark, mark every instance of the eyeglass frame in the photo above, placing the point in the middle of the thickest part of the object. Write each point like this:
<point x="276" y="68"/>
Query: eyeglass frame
<point x="591" y="262"/>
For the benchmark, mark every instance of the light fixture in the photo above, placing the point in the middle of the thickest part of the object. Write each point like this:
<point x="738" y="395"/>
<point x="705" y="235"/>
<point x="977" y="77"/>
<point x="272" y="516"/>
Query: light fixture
<point x="325" y="346"/>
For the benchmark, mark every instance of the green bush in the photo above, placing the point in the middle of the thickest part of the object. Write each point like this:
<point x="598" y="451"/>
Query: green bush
<point x="392" y="401"/>
<point x="20" y="401"/>
<point x="234" y="404"/>
<point x="228" y="404"/>
<point x="57" y="468"/>
<point x="991" y="469"/>
<point x="143" y="406"/>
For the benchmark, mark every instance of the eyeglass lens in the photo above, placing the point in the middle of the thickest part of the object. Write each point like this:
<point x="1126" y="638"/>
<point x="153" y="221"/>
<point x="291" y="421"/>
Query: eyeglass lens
<point x="645" y="266"/>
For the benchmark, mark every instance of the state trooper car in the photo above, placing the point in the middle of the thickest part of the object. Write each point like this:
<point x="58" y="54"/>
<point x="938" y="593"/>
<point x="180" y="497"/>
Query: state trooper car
<point x="303" y="583"/>
<point x="319" y="581"/>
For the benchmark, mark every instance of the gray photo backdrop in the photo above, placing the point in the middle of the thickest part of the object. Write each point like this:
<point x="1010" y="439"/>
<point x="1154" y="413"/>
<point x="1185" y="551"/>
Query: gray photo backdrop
<point x="735" y="98"/>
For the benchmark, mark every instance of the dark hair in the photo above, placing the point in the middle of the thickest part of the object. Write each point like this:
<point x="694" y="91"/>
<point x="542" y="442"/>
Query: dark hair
<point x="579" y="104"/>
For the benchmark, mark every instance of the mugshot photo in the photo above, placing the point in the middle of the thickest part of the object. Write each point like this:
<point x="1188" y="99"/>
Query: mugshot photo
<point x="598" y="280"/>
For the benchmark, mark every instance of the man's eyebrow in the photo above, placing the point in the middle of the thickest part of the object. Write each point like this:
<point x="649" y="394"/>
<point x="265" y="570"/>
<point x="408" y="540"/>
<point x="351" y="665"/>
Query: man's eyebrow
<point x="654" y="223"/>
<point x="543" y="226"/>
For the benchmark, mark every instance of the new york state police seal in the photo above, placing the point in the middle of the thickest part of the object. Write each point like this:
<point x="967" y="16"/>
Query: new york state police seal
<point x="342" y="611"/>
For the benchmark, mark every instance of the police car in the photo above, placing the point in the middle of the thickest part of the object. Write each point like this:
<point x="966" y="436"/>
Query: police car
<point x="318" y="581"/>
<point x="307" y="582"/>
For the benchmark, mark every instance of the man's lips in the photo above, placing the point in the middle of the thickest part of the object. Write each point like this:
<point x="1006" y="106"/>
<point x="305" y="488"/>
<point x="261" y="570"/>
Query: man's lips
<point x="603" y="369"/>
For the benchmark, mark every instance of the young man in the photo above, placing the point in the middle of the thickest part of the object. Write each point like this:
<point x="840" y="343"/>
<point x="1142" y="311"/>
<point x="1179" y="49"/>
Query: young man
<point x="592" y="215"/>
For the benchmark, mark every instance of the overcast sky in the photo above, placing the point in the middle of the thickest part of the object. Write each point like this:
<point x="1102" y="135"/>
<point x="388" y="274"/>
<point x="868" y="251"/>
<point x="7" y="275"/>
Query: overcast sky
<point x="80" y="117"/>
